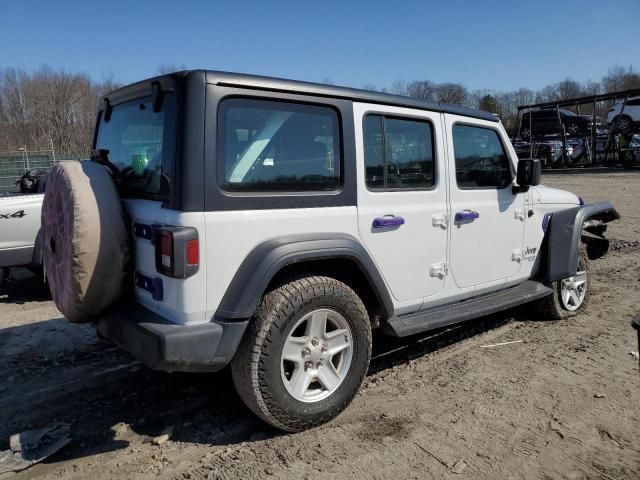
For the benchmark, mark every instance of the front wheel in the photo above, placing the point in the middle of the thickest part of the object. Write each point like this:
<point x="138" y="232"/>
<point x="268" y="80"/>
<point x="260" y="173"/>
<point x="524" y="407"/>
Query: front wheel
<point x="570" y="295"/>
<point x="305" y="354"/>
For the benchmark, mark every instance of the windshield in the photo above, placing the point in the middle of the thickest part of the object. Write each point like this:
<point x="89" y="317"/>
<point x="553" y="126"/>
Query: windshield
<point x="141" y="144"/>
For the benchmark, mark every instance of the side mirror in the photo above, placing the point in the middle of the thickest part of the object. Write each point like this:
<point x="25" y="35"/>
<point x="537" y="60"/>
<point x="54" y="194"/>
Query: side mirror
<point x="529" y="172"/>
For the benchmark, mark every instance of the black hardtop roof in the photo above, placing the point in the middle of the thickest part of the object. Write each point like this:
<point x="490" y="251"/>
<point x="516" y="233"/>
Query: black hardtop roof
<point x="318" y="89"/>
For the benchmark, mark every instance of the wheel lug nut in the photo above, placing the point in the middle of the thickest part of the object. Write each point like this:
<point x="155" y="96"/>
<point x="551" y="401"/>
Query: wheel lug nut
<point x="320" y="363"/>
<point x="307" y="365"/>
<point x="324" y="348"/>
<point x="305" y="351"/>
<point x="315" y="342"/>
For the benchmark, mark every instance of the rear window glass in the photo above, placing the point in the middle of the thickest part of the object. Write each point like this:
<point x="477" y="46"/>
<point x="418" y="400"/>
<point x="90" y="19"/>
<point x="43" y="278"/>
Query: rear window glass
<point x="266" y="146"/>
<point x="141" y="144"/>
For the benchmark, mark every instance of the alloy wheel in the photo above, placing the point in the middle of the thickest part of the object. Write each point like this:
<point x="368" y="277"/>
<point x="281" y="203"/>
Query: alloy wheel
<point x="316" y="355"/>
<point x="573" y="290"/>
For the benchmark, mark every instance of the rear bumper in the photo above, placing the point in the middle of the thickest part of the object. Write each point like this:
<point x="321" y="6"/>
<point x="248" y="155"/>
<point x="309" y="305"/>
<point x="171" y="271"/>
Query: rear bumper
<point x="170" y="347"/>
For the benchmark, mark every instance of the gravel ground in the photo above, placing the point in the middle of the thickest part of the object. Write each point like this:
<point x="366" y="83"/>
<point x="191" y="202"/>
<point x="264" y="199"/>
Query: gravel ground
<point x="563" y="403"/>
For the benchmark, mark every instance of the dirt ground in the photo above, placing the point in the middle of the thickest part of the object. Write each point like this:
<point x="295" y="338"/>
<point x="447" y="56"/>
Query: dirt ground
<point x="563" y="403"/>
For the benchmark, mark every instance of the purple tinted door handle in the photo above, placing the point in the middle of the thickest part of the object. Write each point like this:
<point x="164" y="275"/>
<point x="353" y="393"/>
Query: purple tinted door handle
<point x="389" y="221"/>
<point x="466" y="215"/>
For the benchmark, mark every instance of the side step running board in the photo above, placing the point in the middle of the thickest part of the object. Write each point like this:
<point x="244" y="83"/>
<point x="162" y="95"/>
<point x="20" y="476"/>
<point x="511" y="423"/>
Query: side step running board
<point x="442" y="316"/>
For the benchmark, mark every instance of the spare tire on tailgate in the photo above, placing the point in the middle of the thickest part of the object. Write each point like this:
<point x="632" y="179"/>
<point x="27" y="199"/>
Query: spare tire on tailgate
<point x="84" y="240"/>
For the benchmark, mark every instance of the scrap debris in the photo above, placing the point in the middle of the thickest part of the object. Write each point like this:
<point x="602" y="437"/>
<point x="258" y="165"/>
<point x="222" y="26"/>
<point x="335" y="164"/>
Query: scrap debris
<point x="500" y="344"/>
<point x="32" y="446"/>
<point x="459" y="466"/>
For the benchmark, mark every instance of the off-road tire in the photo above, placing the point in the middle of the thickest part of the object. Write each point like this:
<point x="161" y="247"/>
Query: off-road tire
<point x="256" y="366"/>
<point x="550" y="307"/>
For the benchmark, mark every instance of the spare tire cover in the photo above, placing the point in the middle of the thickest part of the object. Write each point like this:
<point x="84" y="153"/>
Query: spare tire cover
<point x="84" y="240"/>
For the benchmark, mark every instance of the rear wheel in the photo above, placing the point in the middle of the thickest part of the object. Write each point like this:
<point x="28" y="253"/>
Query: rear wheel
<point x="570" y="295"/>
<point x="305" y="354"/>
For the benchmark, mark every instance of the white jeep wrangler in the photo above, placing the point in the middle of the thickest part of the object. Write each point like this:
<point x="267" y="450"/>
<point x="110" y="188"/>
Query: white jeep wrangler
<point x="273" y="224"/>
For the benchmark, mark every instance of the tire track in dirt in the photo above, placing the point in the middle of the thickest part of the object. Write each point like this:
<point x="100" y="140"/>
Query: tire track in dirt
<point x="525" y="410"/>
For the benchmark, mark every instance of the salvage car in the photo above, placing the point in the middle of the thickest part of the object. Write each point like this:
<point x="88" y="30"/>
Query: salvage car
<point x="20" y="223"/>
<point x="549" y="152"/>
<point x="627" y="119"/>
<point x="544" y="121"/>
<point x="271" y="225"/>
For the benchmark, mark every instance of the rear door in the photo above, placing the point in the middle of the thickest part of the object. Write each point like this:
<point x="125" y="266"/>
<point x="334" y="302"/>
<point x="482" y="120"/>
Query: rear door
<point x="487" y="217"/>
<point x="402" y="198"/>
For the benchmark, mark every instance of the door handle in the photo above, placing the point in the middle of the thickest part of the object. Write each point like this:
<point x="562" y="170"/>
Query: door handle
<point x="467" y="215"/>
<point x="388" y="221"/>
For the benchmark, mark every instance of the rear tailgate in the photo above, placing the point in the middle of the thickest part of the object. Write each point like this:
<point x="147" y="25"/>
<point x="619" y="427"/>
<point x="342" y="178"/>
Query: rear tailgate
<point x="180" y="300"/>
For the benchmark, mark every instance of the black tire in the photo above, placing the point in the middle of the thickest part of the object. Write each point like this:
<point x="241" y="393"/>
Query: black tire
<point x="552" y="307"/>
<point x="573" y="129"/>
<point x="623" y="124"/>
<point x="256" y="366"/>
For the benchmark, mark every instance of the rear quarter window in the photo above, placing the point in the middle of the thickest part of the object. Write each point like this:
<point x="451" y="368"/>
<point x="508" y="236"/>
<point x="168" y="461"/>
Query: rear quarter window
<point x="269" y="146"/>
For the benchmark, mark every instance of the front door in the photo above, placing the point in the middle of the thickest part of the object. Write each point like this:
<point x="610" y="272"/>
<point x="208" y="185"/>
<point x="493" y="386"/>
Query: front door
<point x="402" y="204"/>
<point x="487" y="217"/>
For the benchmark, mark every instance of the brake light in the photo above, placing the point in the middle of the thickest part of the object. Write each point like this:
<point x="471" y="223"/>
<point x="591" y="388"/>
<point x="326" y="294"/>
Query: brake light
<point x="177" y="251"/>
<point x="193" y="252"/>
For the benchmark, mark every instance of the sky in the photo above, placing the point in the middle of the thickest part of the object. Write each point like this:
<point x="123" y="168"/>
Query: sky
<point x="499" y="45"/>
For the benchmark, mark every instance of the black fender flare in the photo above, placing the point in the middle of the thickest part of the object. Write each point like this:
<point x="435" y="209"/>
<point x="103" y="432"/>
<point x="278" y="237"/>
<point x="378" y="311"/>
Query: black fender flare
<point x="271" y="256"/>
<point x="564" y="232"/>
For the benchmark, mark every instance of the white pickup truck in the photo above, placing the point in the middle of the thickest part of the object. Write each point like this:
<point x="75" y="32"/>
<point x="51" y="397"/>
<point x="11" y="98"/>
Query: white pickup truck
<point x="19" y="228"/>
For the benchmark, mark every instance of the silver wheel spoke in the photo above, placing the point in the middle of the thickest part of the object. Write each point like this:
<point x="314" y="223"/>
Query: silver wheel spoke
<point x="292" y="350"/>
<point x="575" y="298"/>
<point x="328" y="377"/>
<point x="566" y="294"/>
<point x="317" y="324"/>
<point x="299" y="382"/>
<point x="580" y="278"/>
<point x="337" y="341"/>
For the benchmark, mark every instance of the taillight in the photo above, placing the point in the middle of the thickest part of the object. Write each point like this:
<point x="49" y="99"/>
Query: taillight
<point x="193" y="252"/>
<point x="177" y="251"/>
<point x="165" y="245"/>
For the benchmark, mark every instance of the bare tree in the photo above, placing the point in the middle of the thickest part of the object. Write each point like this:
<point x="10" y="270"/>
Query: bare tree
<point x="620" y="78"/>
<point x="48" y="108"/>
<point x="453" y="93"/>
<point x="165" y="68"/>
<point x="422" y="89"/>
<point x="488" y="103"/>
<point x="400" y="87"/>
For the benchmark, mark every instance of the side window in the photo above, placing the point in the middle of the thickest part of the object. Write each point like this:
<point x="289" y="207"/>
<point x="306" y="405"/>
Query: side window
<point x="481" y="161"/>
<point x="633" y="102"/>
<point x="267" y="146"/>
<point x="398" y="153"/>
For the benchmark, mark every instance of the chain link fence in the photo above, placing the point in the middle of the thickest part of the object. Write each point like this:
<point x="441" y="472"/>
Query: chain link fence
<point x="14" y="164"/>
